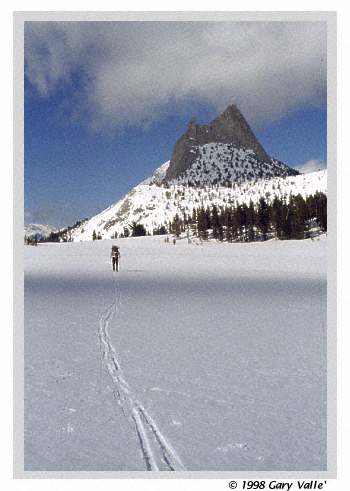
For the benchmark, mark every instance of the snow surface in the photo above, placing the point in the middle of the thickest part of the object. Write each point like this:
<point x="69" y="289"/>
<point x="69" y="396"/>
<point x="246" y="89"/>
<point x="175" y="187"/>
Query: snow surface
<point x="196" y="357"/>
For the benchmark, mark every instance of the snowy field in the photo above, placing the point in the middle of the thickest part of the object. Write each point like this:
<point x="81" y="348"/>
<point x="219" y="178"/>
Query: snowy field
<point x="192" y="357"/>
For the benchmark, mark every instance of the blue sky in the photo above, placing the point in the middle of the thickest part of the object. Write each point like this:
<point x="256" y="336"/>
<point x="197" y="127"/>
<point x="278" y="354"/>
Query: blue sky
<point x="104" y="104"/>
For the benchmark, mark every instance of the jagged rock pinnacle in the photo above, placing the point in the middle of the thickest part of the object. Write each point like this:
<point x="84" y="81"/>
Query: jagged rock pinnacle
<point x="229" y="127"/>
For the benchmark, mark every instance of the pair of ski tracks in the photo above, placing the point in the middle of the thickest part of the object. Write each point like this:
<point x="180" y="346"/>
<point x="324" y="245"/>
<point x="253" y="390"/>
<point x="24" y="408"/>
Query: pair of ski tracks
<point x="157" y="452"/>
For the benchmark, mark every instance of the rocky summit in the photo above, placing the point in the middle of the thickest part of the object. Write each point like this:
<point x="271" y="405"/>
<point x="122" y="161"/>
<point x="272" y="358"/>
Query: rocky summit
<point x="228" y="128"/>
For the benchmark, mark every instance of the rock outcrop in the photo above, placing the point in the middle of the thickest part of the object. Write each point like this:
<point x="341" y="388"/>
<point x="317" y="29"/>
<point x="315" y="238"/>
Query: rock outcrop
<point x="229" y="127"/>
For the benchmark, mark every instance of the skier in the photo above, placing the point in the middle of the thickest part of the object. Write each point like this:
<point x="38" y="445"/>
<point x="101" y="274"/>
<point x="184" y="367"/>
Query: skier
<point x="115" y="256"/>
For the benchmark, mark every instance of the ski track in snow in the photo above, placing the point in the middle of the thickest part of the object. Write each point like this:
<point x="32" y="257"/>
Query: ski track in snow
<point x="157" y="452"/>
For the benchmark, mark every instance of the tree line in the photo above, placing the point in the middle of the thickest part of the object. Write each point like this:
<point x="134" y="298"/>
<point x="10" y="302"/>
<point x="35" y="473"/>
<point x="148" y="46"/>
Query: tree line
<point x="292" y="218"/>
<point x="281" y="218"/>
<point x="284" y="219"/>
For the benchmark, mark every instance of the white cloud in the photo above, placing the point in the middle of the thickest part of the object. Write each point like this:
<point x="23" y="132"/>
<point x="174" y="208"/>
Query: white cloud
<point x="136" y="72"/>
<point x="312" y="165"/>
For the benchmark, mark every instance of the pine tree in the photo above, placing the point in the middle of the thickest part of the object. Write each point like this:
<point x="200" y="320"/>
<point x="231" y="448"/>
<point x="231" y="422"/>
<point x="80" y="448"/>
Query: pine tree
<point x="138" y="230"/>
<point x="244" y="221"/>
<point x="228" y="224"/>
<point x="160" y="230"/>
<point x="202" y="224"/>
<point x="263" y="217"/>
<point x="299" y="216"/>
<point x="176" y="226"/>
<point x="235" y="223"/>
<point x="193" y="222"/>
<point x="276" y="217"/>
<point x="311" y="207"/>
<point x="251" y="222"/>
<point x="207" y="218"/>
<point x="286" y="223"/>
<point x="216" y="224"/>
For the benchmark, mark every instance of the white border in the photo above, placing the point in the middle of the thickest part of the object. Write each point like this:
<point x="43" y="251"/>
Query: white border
<point x="343" y="178"/>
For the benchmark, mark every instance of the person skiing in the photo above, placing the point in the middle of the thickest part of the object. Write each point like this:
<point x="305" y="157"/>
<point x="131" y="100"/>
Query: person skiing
<point x="115" y="256"/>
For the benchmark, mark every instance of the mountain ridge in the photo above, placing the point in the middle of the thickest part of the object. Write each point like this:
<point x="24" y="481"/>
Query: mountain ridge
<point x="230" y="127"/>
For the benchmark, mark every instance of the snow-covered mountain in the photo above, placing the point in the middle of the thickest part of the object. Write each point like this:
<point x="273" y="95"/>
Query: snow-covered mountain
<point x="220" y="163"/>
<point x="38" y="231"/>
<point x="222" y="140"/>
<point x="154" y="202"/>
<point x="224" y="164"/>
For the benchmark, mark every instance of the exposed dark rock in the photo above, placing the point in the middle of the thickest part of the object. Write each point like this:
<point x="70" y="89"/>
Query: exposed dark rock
<point x="229" y="127"/>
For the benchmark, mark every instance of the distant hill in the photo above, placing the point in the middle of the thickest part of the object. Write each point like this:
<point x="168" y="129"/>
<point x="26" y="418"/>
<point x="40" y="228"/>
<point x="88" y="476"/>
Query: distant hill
<point x="38" y="231"/>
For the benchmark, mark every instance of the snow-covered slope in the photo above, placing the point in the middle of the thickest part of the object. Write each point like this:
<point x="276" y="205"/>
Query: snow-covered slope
<point x="224" y="163"/>
<point x="154" y="201"/>
<point x="38" y="231"/>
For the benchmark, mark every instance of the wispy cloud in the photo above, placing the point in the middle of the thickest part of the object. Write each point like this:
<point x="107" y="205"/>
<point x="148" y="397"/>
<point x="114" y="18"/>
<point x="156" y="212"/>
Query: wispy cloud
<point x="135" y="72"/>
<point x="312" y="165"/>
